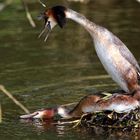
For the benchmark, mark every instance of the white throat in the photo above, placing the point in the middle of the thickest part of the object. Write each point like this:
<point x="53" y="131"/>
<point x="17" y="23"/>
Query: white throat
<point x="63" y="112"/>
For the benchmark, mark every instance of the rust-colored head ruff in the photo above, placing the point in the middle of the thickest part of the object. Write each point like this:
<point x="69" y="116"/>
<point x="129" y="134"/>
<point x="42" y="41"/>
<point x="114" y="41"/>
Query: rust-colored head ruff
<point x="52" y="17"/>
<point x="56" y="14"/>
<point x="44" y="114"/>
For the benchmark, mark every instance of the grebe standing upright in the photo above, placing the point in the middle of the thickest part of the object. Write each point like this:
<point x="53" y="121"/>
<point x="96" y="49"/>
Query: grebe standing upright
<point x="116" y="58"/>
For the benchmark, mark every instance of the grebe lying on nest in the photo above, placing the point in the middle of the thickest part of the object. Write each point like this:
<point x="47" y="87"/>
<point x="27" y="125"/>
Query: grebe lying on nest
<point x="119" y="103"/>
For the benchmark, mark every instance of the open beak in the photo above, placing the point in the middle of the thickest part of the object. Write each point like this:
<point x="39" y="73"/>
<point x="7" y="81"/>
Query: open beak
<point x="49" y="25"/>
<point x="46" y="29"/>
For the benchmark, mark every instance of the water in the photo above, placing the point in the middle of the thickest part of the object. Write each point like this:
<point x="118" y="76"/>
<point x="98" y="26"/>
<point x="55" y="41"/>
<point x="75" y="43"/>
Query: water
<point x="60" y="71"/>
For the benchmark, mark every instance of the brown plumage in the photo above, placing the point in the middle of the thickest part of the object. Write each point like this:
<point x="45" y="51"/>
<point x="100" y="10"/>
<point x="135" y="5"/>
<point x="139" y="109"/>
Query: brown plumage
<point x="92" y="103"/>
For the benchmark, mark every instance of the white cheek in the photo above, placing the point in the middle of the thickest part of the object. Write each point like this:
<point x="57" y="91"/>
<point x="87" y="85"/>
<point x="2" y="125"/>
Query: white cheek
<point x="53" y="23"/>
<point x="61" y="111"/>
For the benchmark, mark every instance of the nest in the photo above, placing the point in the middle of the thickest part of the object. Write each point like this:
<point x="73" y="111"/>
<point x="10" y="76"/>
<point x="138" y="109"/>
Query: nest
<point x="112" y="120"/>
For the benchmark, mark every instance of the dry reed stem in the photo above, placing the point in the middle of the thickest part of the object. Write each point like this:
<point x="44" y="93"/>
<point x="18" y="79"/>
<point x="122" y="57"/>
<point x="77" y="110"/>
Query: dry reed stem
<point x="0" y="114"/>
<point x="28" y="15"/>
<point x="4" y="4"/>
<point x="69" y="104"/>
<point x="62" y="122"/>
<point x="6" y="92"/>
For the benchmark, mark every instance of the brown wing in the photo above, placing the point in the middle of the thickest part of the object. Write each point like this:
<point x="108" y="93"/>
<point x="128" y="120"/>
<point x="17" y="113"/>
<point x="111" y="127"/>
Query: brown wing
<point x="125" y="52"/>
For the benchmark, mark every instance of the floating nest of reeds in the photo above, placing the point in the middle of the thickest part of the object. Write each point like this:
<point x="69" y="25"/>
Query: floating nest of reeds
<point x="109" y="119"/>
<point x="112" y="120"/>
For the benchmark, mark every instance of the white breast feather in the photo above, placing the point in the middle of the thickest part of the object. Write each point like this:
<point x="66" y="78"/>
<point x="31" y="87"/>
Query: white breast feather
<point x="108" y="59"/>
<point x="121" y="108"/>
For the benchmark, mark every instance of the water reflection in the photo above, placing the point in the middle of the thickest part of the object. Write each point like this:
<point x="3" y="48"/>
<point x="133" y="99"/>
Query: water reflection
<point x="45" y="126"/>
<point x="64" y="128"/>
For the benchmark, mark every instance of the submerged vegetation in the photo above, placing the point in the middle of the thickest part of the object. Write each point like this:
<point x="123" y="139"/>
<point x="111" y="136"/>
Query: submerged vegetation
<point x="0" y="114"/>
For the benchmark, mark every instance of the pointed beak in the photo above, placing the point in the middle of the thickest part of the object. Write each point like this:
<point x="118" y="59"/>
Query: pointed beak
<point x="46" y="29"/>
<point x="42" y="114"/>
<point x="49" y="25"/>
<point x="28" y="116"/>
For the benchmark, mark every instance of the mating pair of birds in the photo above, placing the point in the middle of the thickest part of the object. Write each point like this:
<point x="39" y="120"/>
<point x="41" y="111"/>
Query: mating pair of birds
<point x="116" y="58"/>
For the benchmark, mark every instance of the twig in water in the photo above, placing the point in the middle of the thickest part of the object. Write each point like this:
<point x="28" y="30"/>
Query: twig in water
<point x="0" y="114"/>
<point x="5" y="91"/>
<point x="28" y="15"/>
<point x="66" y="122"/>
<point x="79" y="122"/>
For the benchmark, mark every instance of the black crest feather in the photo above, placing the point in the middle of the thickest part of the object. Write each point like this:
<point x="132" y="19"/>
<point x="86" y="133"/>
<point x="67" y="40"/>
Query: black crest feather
<point x="59" y="15"/>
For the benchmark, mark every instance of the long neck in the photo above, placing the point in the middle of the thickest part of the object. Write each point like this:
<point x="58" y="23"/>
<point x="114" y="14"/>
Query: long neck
<point x="88" y="25"/>
<point x="65" y="113"/>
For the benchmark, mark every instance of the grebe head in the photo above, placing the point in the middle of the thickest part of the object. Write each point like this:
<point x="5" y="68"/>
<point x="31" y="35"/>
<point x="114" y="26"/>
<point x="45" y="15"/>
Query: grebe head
<point x="53" y="16"/>
<point x="44" y="114"/>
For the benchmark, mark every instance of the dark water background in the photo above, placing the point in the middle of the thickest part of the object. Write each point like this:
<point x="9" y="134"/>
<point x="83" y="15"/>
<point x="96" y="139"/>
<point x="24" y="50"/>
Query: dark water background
<point x="63" y="69"/>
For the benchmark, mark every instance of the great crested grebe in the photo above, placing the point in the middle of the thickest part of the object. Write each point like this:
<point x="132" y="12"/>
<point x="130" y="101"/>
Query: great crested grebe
<point x="116" y="58"/>
<point x="91" y="103"/>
